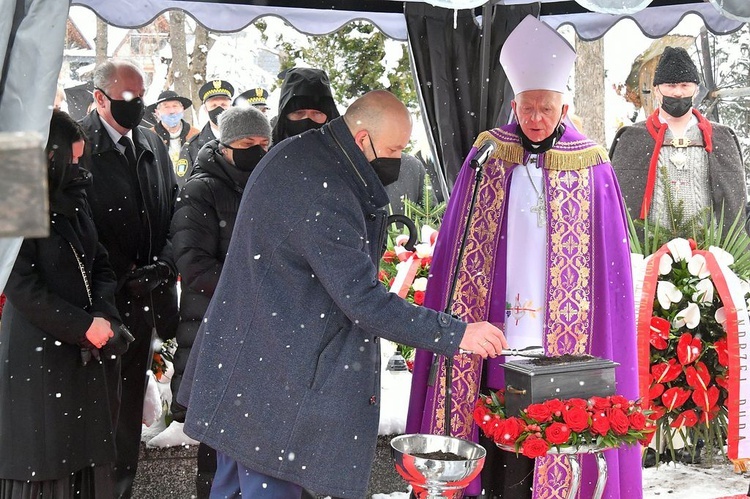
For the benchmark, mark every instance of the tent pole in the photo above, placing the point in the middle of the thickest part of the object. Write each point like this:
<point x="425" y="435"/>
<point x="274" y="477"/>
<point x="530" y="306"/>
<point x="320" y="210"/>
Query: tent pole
<point x="484" y="56"/>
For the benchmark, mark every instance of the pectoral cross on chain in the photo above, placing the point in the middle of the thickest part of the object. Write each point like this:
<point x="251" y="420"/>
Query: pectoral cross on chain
<point x="540" y="210"/>
<point x="539" y="207"/>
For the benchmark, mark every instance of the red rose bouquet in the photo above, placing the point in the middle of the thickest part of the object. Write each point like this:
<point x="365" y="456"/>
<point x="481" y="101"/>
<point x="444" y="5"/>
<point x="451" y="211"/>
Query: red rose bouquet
<point x="604" y="422"/>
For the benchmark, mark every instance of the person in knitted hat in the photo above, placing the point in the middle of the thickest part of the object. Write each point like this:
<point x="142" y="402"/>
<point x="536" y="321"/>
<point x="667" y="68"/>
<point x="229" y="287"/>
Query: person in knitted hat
<point x="202" y="226"/>
<point x="677" y="146"/>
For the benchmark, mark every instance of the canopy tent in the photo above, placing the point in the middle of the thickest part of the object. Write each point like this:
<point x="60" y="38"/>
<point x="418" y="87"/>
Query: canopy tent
<point x="318" y="17"/>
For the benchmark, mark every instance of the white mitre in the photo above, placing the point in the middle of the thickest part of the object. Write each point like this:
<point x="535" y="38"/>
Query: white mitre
<point x="536" y="57"/>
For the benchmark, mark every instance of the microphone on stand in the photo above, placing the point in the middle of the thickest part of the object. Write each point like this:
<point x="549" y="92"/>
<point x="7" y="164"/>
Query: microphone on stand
<point x="483" y="153"/>
<point x="480" y="158"/>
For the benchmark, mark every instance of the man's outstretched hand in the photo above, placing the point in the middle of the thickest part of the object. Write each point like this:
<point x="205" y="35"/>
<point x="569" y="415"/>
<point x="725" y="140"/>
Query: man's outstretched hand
<point x="484" y="339"/>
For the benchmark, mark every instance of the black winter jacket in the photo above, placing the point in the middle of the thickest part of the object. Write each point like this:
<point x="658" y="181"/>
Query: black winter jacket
<point x="134" y="237"/>
<point x="201" y="228"/>
<point x="190" y="150"/>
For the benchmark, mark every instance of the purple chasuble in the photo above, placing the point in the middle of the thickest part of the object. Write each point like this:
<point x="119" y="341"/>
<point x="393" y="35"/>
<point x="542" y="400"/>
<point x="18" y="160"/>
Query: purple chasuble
<point x="589" y="294"/>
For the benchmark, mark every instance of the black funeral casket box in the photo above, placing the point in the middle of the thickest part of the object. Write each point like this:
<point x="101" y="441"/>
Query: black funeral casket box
<point x="531" y="381"/>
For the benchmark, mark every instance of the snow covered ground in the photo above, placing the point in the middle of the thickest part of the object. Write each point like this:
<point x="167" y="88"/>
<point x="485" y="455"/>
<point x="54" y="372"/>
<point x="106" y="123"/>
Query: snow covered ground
<point x="693" y="482"/>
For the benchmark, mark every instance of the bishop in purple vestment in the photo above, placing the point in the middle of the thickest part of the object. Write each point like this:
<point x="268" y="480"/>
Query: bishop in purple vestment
<point x="580" y="251"/>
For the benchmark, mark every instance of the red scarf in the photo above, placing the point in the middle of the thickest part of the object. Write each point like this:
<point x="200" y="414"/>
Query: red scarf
<point x="658" y="129"/>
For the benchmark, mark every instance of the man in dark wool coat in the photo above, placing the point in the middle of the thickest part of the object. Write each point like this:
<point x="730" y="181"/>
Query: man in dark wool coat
<point x="699" y="160"/>
<point x="132" y="197"/>
<point x="283" y="380"/>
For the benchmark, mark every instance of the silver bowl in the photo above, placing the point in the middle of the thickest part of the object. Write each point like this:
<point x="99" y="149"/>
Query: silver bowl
<point x="434" y="478"/>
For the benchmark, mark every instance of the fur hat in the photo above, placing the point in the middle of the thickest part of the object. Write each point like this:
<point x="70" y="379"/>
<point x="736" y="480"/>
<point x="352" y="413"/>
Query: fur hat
<point x="675" y="66"/>
<point x="239" y="122"/>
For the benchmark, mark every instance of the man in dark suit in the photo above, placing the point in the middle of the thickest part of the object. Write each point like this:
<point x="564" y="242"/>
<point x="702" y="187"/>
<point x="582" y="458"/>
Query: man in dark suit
<point x="132" y="198"/>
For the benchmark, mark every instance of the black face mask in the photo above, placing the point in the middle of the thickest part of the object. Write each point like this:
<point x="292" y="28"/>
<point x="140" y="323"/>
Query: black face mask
<point x="301" y="126"/>
<point x="387" y="169"/>
<point x="544" y="145"/>
<point x="214" y="113"/>
<point x="247" y="159"/>
<point x="676" y="106"/>
<point x="127" y="113"/>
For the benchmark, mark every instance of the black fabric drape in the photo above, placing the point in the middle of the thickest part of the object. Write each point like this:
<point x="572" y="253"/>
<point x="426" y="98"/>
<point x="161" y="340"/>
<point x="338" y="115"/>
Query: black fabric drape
<point x="448" y="66"/>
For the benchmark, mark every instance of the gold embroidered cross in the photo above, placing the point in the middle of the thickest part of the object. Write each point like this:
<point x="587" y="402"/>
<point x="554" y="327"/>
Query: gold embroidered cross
<point x="567" y="179"/>
<point x="567" y="311"/>
<point x="570" y="245"/>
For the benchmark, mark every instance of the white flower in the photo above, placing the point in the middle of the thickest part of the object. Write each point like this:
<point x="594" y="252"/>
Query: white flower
<point x="420" y="284"/>
<point x="704" y="291"/>
<point x="744" y="286"/>
<point x="680" y="249"/>
<point x="423" y="250"/>
<point x="690" y="316"/>
<point x="427" y="233"/>
<point x="721" y="316"/>
<point x="667" y="294"/>
<point x="697" y="266"/>
<point x="723" y="257"/>
<point x="665" y="264"/>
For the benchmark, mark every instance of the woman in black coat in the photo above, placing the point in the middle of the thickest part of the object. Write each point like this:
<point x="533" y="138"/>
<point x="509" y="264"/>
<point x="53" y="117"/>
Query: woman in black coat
<point x="201" y="229"/>
<point x="55" y="413"/>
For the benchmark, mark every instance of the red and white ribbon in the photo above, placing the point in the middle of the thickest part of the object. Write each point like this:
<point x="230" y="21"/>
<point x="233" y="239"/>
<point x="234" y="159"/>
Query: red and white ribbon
<point x="411" y="261"/>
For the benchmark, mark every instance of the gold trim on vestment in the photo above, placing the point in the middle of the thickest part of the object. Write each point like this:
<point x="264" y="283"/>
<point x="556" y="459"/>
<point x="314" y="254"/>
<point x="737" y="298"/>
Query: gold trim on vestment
<point x="569" y="290"/>
<point x="564" y="156"/>
<point x="471" y="298"/>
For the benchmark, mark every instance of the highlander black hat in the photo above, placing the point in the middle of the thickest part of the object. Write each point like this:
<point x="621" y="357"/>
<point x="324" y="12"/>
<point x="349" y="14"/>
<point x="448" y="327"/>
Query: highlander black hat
<point x="170" y="95"/>
<point x="676" y="66"/>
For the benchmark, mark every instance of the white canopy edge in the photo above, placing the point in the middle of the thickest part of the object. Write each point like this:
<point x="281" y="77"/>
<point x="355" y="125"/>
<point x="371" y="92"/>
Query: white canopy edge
<point x="234" y="17"/>
<point x="654" y="22"/>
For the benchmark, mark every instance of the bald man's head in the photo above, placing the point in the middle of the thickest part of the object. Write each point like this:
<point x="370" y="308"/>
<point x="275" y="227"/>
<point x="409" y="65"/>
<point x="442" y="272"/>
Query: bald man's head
<point x="380" y="125"/>
<point x="119" y="94"/>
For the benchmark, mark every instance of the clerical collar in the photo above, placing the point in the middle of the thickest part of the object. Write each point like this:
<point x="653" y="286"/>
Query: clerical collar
<point x="543" y="146"/>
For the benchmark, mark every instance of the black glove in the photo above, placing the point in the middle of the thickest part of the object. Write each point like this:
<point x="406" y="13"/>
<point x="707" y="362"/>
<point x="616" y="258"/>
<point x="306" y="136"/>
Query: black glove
<point x="118" y="344"/>
<point x="141" y="281"/>
<point x="88" y="351"/>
